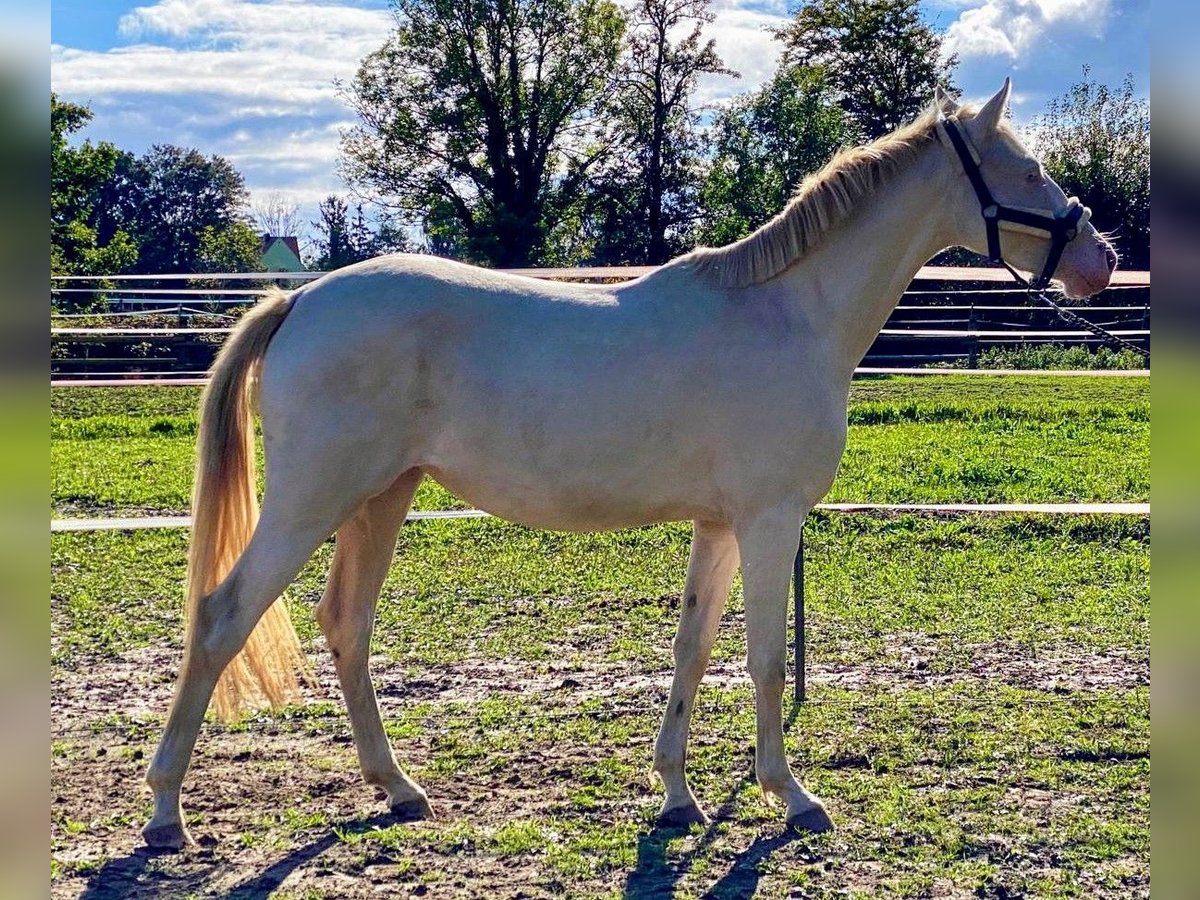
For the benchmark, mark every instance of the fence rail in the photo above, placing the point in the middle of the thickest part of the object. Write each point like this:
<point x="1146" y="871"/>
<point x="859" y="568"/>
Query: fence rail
<point x="918" y="332"/>
<point x="154" y="523"/>
<point x="583" y="273"/>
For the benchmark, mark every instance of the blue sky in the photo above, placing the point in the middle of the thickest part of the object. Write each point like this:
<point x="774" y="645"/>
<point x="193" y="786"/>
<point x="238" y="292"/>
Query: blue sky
<point x="253" y="80"/>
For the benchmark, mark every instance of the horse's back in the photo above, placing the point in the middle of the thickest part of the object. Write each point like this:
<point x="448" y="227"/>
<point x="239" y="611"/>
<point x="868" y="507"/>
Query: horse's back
<point x="552" y="404"/>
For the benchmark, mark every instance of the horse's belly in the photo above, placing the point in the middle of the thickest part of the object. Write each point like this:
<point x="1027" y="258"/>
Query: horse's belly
<point x="548" y="503"/>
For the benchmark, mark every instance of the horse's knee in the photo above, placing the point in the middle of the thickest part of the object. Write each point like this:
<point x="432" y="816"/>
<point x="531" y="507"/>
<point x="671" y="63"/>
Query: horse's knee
<point x="768" y="672"/>
<point x="690" y="660"/>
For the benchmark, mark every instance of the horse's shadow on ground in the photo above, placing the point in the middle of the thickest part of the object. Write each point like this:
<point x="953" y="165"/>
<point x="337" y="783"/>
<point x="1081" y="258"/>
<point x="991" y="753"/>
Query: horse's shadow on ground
<point x="656" y="877"/>
<point x="132" y="875"/>
<point x="653" y="877"/>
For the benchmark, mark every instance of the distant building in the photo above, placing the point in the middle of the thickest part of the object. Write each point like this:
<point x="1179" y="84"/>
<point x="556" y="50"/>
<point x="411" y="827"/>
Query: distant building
<point x="281" y="254"/>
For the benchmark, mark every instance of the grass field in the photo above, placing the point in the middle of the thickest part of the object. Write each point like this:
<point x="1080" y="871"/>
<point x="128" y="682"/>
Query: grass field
<point x="978" y="720"/>
<point x="969" y="439"/>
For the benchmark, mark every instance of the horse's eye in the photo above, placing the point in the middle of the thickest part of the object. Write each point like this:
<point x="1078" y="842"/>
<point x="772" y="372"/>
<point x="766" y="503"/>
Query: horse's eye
<point x="1034" y="177"/>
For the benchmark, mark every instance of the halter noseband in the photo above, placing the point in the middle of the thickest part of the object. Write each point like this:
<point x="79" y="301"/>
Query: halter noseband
<point x="1062" y="228"/>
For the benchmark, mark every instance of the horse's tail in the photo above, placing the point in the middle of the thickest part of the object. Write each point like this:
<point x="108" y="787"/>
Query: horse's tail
<point x="225" y="511"/>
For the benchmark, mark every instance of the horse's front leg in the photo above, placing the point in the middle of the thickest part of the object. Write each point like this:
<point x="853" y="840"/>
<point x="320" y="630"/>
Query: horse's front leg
<point x="768" y="544"/>
<point x="711" y="566"/>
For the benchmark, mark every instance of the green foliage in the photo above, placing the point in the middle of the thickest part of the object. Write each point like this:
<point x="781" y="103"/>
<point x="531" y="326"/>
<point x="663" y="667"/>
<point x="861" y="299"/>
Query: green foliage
<point x="479" y="118"/>
<point x="77" y="176"/>
<point x="235" y="248"/>
<point x="764" y="145"/>
<point x="1056" y="356"/>
<point x="171" y="210"/>
<point x="878" y="55"/>
<point x="341" y="240"/>
<point x="180" y="193"/>
<point x="646" y="198"/>
<point x="1094" y="140"/>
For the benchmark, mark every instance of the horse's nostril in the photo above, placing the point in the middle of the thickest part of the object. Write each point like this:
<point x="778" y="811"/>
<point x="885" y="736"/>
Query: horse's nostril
<point x="1110" y="256"/>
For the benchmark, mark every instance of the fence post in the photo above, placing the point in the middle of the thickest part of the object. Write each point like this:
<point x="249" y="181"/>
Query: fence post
<point x="798" y="610"/>
<point x="973" y="350"/>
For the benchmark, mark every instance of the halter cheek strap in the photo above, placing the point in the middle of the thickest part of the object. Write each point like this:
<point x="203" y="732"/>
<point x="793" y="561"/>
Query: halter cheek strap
<point x="1061" y="227"/>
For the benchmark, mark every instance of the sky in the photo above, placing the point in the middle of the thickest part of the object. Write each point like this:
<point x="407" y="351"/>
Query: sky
<point x="255" y="80"/>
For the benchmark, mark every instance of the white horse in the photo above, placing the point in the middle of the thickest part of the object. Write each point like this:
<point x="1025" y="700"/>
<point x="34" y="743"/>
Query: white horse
<point x="713" y="389"/>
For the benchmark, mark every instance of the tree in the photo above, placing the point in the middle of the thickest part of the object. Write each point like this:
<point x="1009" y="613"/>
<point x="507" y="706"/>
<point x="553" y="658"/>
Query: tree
<point x="275" y="215"/>
<point x="764" y="145"/>
<point x="647" y="199"/>
<point x="112" y="212"/>
<point x="478" y="118"/>
<point x="878" y="55"/>
<point x="78" y="177"/>
<point x="332" y="239"/>
<point x="341" y="240"/>
<point x="234" y="248"/>
<point x="1094" y="140"/>
<point x="182" y="193"/>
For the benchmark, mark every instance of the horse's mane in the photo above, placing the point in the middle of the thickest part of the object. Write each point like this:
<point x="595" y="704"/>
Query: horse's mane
<point x="825" y="199"/>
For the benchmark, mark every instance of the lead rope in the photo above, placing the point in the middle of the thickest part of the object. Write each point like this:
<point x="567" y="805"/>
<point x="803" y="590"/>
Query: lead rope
<point x="1104" y="334"/>
<point x="1067" y="316"/>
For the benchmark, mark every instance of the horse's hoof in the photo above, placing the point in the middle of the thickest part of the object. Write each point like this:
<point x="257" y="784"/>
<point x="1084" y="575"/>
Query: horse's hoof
<point x="682" y="816"/>
<point x="813" y="819"/>
<point x="167" y="837"/>
<point x="413" y="810"/>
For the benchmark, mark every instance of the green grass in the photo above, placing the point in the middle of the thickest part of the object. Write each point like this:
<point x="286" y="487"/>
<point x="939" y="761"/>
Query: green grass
<point x="494" y="593"/>
<point x="1056" y="356"/>
<point x="983" y="782"/>
<point x="934" y="439"/>
<point x="949" y="728"/>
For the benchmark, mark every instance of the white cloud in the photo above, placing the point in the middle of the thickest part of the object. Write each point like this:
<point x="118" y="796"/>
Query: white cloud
<point x="745" y="44"/>
<point x="1016" y="28"/>
<point x="280" y="53"/>
<point x="252" y="23"/>
<point x="254" y="81"/>
<point x="251" y="81"/>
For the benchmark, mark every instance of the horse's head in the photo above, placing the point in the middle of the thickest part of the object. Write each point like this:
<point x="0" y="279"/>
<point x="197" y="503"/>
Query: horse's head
<point x="1032" y="220"/>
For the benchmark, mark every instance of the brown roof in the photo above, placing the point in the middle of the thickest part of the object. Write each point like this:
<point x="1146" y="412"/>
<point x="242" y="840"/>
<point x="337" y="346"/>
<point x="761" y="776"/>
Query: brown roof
<point x="289" y="241"/>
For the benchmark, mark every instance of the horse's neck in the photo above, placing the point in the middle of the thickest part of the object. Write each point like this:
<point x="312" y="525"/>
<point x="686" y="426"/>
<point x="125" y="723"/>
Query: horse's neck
<point x="851" y="282"/>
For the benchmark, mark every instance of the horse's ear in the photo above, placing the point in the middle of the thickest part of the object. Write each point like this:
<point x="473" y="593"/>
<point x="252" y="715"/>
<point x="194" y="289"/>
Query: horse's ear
<point x="947" y="104"/>
<point x="990" y="116"/>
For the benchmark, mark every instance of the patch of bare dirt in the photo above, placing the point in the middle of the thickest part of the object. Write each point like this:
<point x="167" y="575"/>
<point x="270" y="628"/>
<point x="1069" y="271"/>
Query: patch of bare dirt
<point x="138" y="684"/>
<point x="75" y="509"/>
<point x="281" y="807"/>
<point x="281" y="812"/>
<point x="921" y="660"/>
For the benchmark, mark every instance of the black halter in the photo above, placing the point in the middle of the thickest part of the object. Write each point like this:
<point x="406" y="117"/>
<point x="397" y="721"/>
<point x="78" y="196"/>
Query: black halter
<point x="1062" y="229"/>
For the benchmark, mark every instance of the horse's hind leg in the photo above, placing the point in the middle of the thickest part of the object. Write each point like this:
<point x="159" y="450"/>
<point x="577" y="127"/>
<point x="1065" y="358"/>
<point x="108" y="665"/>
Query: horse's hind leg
<point x="713" y="560"/>
<point x="280" y="546"/>
<point x="346" y="613"/>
